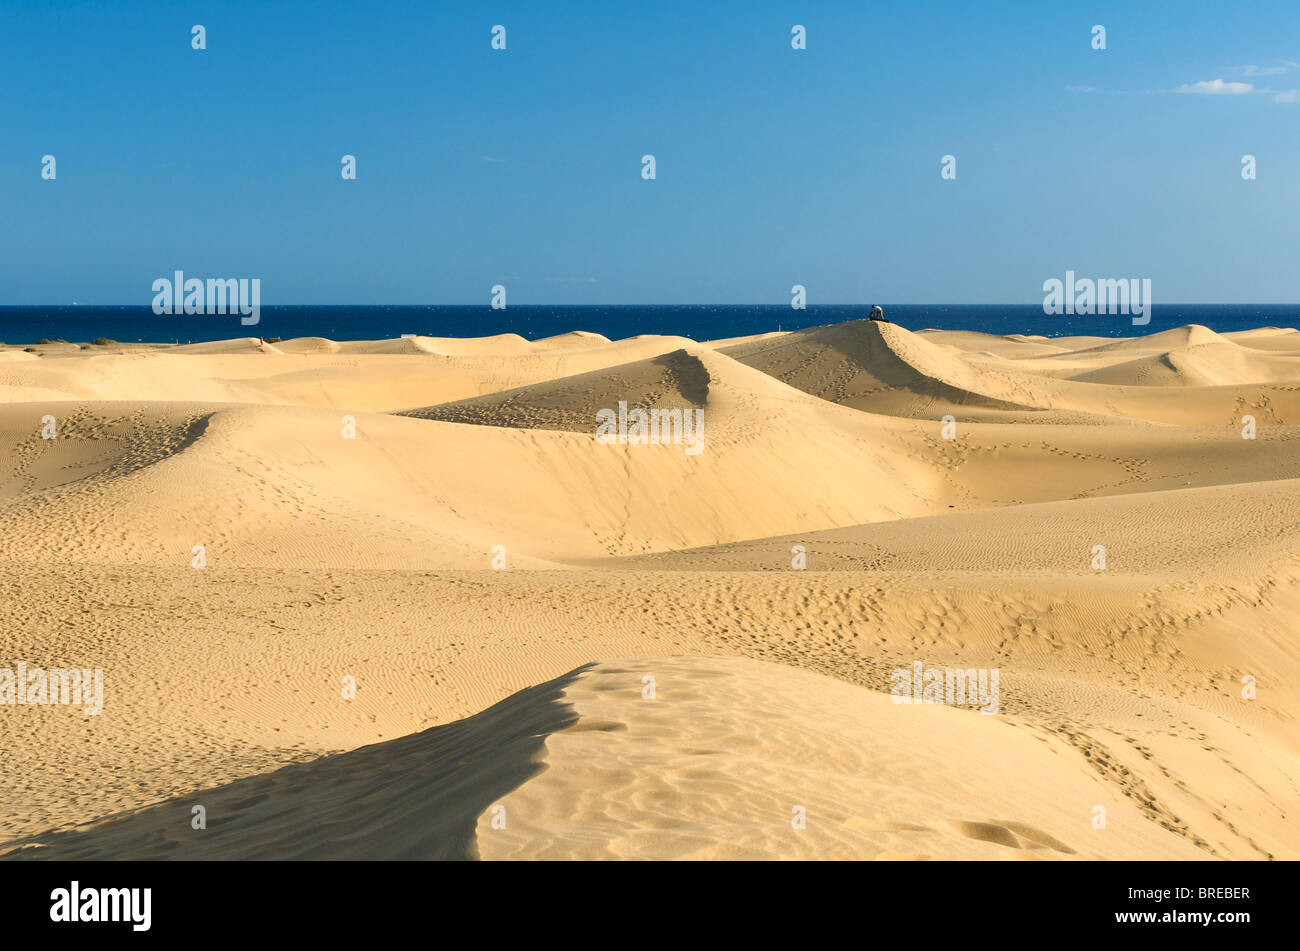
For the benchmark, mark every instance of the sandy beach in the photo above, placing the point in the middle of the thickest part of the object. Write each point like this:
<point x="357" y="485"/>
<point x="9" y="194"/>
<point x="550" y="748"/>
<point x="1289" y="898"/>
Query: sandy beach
<point x="400" y="599"/>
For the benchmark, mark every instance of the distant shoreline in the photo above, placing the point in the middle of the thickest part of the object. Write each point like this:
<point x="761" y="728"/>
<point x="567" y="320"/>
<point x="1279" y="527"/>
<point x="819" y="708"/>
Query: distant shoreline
<point x="251" y="342"/>
<point x="137" y="324"/>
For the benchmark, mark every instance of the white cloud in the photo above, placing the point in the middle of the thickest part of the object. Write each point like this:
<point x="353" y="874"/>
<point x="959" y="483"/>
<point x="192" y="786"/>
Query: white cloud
<point x="1217" y="87"/>
<point x="1291" y="95"/>
<point x="1080" y="88"/>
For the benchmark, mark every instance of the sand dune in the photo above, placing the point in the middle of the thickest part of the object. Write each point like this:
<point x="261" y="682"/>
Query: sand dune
<point x="677" y="380"/>
<point x="1192" y="335"/>
<point x="232" y="530"/>
<point x="308" y="345"/>
<point x="285" y="487"/>
<point x="1268" y="338"/>
<point x="587" y="766"/>
<point x="239" y="345"/>
<point x="312" y="371"/>
<point x="1214" y="363"/>
<point x="882" y="368"/>
<point x="874" y="366"/>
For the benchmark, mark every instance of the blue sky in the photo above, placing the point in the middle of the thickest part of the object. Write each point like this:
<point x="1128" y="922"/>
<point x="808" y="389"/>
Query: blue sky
<point x="775" y="167"/>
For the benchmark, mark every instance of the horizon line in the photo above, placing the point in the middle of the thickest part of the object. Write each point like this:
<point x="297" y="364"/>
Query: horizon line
<point x="784" y="306"/>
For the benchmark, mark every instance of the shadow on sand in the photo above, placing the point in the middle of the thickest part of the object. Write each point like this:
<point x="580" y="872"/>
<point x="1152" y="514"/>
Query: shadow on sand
<point x="417" y="797"/>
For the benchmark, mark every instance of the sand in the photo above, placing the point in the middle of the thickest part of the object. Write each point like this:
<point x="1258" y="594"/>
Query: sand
<point x="568" y="648"/>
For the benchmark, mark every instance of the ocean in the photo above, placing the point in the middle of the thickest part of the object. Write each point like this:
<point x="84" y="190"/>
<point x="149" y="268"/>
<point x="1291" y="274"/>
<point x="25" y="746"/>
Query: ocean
<point x="81" y="324"/>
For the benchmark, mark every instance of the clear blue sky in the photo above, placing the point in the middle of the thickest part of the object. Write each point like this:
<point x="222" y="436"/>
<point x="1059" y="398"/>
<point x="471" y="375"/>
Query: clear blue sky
<point x="775" y="167"/>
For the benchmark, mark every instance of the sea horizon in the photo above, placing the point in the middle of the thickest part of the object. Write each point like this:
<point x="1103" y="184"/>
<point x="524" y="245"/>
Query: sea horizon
<point x="129" y="323"/>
